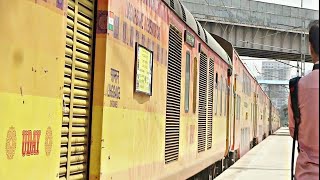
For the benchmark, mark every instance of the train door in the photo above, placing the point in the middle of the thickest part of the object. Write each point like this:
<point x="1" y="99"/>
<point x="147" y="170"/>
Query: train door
<point x="229" y="126"/>
<point x="270" y="117"/>
<point x="255" y="118"/>
<point x="77" y="90"/>
<point x="264" y="122"/>
<point x="235" y="111"/>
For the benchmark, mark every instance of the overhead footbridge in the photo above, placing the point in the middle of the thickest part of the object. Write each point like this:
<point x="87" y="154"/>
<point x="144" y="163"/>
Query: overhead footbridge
<point x="257" y="29"/>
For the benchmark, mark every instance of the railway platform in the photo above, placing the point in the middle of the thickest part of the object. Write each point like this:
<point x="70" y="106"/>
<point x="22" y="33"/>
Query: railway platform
<point x="270" y="159"/>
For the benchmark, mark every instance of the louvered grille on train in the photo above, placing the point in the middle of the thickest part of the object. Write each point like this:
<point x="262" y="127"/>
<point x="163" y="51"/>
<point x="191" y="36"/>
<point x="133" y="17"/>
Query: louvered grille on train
<point x="77" y="86"/>
<point x="210" y="103"/>
<point x="205" y="36"/>
<point x="183" y="13"/>
<point x="202" y="114"/>
<point x="172" y="4"/>
<point x="198" y="28"/>
<point x="173" y="96"/>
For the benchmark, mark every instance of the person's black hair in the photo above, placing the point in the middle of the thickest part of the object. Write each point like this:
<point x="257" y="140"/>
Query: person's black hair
<point x="314" y="36"/>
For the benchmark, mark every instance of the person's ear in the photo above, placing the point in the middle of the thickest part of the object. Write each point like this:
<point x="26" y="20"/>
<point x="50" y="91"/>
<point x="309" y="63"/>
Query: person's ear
<point x="313" y="53"/>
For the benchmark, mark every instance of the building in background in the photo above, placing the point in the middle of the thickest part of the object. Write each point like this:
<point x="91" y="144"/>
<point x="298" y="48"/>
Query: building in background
<point x="275" y="70"/>
<point x="276" y="76"/>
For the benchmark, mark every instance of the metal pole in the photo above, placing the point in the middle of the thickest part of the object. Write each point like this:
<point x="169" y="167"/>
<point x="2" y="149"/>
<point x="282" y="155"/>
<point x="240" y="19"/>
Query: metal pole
<point x="298" y="68"/>
<point x="304" y="51"/>
<point x="302" y="46"/>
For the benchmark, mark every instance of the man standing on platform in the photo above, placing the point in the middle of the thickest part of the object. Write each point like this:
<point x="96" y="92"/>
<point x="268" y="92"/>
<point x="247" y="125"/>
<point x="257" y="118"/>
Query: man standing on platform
<point x="307" y="166"/>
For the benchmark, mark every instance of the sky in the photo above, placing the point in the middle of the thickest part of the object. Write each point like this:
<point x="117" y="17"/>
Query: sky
<point x="310" y="4"/>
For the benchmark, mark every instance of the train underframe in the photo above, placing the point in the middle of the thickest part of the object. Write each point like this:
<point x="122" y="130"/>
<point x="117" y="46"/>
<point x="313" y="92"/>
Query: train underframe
<point x="218" y="167"/>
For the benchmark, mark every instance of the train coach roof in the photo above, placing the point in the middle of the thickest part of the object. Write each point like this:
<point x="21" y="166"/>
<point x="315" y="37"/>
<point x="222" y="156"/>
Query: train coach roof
<point x="188" y="18"/>
<point x="213" y="44"/>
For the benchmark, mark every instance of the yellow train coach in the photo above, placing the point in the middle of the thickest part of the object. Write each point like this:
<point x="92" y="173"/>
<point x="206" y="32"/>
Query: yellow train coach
<point x="114" y="89"/>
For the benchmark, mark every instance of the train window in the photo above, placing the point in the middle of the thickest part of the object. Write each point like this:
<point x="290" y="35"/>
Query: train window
<point x="143" y="40"/>
<point x="195" y="75"/>
<point x="243" y="82"/>
<point x="124" y="31"/>
<point x="148" y="43"/>
<point x="254" y="112"/>
<point x="221" y="86"/>
<point x="230" y="92"/>
<point x="131" y="36"/>
<point x="116" y="27"/>
<point x="239" y="106"/>
<point x="236" y="106"/>
<point x="251" y="112"/>
<point x="158" y="52"/>
<point x="216" y="99"/>
<point x="137" y="36"/>
<point x="223" y="97"/>
<point x="226" y="97"/>
<point x="246" y="84"/>
<point x="216" y="80"/>
<point x="187" y="83"/>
